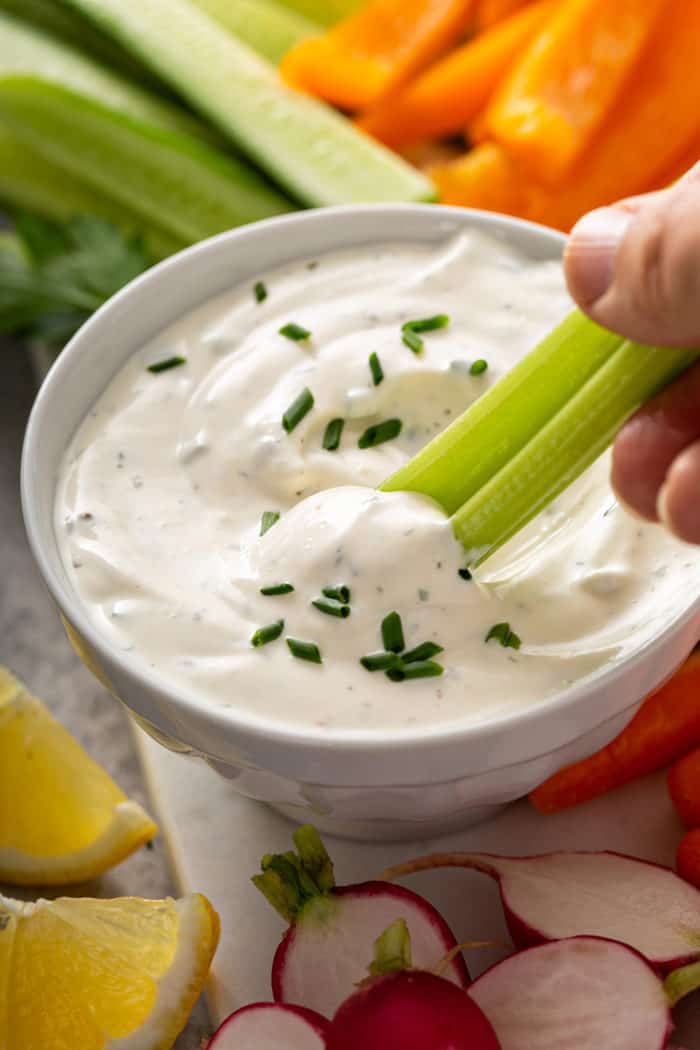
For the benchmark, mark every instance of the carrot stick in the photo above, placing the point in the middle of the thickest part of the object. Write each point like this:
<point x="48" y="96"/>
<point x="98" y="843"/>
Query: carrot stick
<point x="567" y="82"/>
<point x="666" y="727"/>
<point x="650" y="128"/>
<point x="684" y="788"/>
<point x="361" y="59"/>
<point x="688" y="857"/>
<point x="489" y="12"/>
<point x="455" y="89"/>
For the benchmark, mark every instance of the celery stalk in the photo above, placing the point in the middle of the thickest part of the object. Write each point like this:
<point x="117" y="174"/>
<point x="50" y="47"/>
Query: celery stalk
<point x="325" y="11"/>
<point x="266" y="26"/>
<point x="28" y="180"/>
<point x="25" y="50"/>
<point x="454" y="466"/>
<point x="175" y="182"/>
<point x="314" y="152"/>
<point x="565" y="446"/>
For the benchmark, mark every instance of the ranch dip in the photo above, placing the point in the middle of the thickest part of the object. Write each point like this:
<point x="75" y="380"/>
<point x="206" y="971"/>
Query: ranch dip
<point x="181" y="464"/>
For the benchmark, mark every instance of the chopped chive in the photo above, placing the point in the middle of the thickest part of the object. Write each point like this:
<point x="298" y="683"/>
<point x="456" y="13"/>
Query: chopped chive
<point x="305" y="650"/>
<point x="167" y="364"/>
<point x="502" y="633"/>
<point x="277" y="588"/>
<point x="477" y="367"/>
<point x="411" y="340"/>
<point x="263" y="635"/>
<point x="269" y="518"/>
<point x="297" y="410"/>
<point x="295" y="332"/>
<point x="466" y="574"/>
<point x="379" y="661"/>
<point x="339" y="592"/>
<point x="260" y="291"/>
<point x="379" y="433"/>
<point x="426" y="324"/>
<point x="331" y="608"/>
<point x="375" y="367"/>
<point x="333" y="434"/>
<point x="422" y="669"/>
<point x="392" y="633"/>
<point x="422" y="652"/>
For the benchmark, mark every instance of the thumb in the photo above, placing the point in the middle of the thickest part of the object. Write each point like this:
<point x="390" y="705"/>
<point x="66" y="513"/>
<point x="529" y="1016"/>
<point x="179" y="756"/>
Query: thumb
<point x="634" y="267"/>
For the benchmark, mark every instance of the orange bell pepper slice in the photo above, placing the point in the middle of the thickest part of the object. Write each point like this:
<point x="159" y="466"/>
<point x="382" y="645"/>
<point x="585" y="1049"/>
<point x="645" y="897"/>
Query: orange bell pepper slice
<point x="361" y="59"/>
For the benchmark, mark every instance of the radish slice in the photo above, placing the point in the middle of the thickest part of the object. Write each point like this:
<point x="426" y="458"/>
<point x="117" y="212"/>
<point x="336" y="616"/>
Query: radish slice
<point x="559" y="895"/>
<point x="411" y="1010"/>
<point x="584" y="993"/>
<point x="271" y="1026"/>
<point x="326" y="952"/>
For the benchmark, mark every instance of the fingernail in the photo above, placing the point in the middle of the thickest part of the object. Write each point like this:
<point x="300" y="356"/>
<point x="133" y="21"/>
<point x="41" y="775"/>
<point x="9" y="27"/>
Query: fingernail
<point x="591" y="252"/>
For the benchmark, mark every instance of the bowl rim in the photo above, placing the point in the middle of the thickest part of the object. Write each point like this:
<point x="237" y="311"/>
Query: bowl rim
<point x="234" y="719"/>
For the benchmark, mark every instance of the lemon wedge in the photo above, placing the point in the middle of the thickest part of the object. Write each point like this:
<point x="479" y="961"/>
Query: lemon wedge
<point x="79" y="974"/>
<point x="62" y="818"/>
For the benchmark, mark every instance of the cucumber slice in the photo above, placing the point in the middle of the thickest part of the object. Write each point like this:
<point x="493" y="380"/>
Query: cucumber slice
<point x="28" y="180"/>
<point x="266" y="26"/>
<point x="326" y="12"/>
<point x="173" y="181"/>
<point x="60" y="21"/>
<point x="314" y="152"/>
<point x="26" y="50"/>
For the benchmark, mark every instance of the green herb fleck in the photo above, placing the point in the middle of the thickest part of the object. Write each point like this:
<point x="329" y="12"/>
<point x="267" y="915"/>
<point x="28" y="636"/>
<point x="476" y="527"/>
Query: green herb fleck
<point x="295" y="332"/>
<point x="375" y="367"/>
<point x="260" y="291"/>
<point x="379" y="661"/>
<point x="421" y="669"/>
<point x="338" y="592"/>
<point x="305" y="650"/>
<point x="392" y="633"/>
<point x="426" y="324"/>
<point x="166" y="364"/>
<point x="465" y="574"/>
<point x="297" y="410"/>
<point x="276" y="589"/>
<point x="331" y="608"/>
<point x="478" y="367"/>
<point x="269" y="518"/>
<point x="424" y="651"/>
<point x="502" y="633"/>
<point x="412" y="340"/>
<point x="332" y="435"/>
<point x="267" y="634"/>
<point x="379" y="433"/>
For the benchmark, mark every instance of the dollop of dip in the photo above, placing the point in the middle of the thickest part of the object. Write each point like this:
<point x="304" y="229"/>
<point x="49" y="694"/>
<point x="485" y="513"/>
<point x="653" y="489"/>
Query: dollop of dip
<point x="192" y="488"/>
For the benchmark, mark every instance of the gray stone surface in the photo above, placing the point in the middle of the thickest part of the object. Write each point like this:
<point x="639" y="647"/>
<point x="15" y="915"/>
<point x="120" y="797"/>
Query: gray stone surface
<point x="34" y="647"/>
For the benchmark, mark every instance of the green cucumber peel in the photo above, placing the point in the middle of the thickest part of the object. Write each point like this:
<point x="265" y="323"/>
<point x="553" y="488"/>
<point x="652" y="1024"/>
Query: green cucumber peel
<point x="392" y="950"/>
<point x="52" y="16"/>
<point x="30" y="181"/>
<point x="26" y="51"/>
<point x="305" y="145"/>
<point x="268" y="27"/>
<point x="173" y="181"/>
<point x="289" y="881"/>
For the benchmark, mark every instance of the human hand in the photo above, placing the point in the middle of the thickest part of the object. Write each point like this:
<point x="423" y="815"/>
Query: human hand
<point x="634" y="267"/>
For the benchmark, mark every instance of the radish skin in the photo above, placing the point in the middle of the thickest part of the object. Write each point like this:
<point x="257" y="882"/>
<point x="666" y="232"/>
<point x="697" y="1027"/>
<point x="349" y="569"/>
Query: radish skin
<point x="271" y="1026"/>
<point x="584" y="993"/>
<point x="569" y="894"/>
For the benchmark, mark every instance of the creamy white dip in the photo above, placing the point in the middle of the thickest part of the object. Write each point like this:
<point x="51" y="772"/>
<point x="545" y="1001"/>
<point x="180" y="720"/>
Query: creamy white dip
<point x="163" y="489"/>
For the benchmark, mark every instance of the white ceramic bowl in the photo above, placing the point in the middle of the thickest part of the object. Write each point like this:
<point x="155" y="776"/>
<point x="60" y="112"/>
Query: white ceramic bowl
<point x="358" y="783"/>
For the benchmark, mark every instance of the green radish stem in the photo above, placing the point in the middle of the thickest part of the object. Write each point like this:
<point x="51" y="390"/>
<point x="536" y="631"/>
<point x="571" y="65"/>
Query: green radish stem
<point x="170" y="179"/>
<point x="392" y="950"/>
<point x="289" y="880"/>
<point x="682" y="982"/>
<point x="317" y="154"/>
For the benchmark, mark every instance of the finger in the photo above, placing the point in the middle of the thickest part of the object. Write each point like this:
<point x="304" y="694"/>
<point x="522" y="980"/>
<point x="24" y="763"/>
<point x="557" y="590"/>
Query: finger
<point x="635" y="267"/>
<point x="650" y="442"/>
<point x="679" y="498"/>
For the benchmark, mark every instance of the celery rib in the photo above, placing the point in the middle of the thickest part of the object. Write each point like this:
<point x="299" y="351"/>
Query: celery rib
<point x="569" y="443"/>
<point x="457" y="463"/>
<point x="269" y="28"/>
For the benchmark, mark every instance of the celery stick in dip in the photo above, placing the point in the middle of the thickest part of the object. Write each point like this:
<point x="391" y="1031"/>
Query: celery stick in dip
<point x="358" y="600"/>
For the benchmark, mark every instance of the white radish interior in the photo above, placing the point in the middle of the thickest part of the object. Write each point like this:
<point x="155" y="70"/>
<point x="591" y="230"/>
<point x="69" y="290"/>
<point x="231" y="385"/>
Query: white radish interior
<point x="272" y="1027"/>
<point x="603" y="894"/>
<point x="331" y="948"/>
<point x="578" y="994"/>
